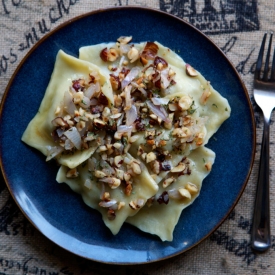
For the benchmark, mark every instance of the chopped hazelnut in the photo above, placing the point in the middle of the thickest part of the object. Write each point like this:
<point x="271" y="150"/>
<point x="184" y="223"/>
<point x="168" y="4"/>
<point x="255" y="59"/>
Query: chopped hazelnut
<point x="192" y="188"/>
<point x="190" y="70"/>
<point x="184" y="193"/>
<point x="179" y="168"/>
<point x="136" y="168"/>
<point x="118" y="160"/>
<point x="112" y="55"/>
<point x="208" y="166"/>
<point x="124" y="39"/>
<point x="185" y="102"/>
<point x="72" y="173"/>
<point x="205" y="95"/>
<point x="150" y="157"/>
<point x="133" y="54"/>
<point x="100" y="174"/>
<point x="168" y="182"/>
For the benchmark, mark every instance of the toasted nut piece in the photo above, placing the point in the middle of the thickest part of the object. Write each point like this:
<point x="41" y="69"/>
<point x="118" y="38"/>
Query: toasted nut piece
<point x="124" y="39"/>
<point x="150" y="133"/>
<point x="112" y="55"/>
<point x="133" y="54"/>
<point x="155" y="166"/>
<point x="160" y="63"/>
<point x="109" y="146"/>
<point x="178" y="132"/>
<point x="136" y="168"/>
<point x="192" y="188"/>
<point x="187" y="131"/>
<point x="184" y="193"/>
<point x="153" y="116"/>
<point x="185" y="102"/>
<point x="162" y="142"/>
<point x="128" y="189"/>
<point x="115" y="82"/>
<point x="168" y="181"/>
<point x="120" y="205"/>
<point x="99" y="174"/>
<point x="117" y="145"/>
<point x="173" y="107"/>
<point x="171" y="73"/>
<point x="133" y="205"/>
<point x="150" y="142"/>
<point x="190" y="70"/>
<point x="118" y="135"/>
<point x="127" y="176"/>
<point x="72" y="173"/>
<point x="117" y="100"/>
<point x="150" y="157"/>
<point x="115" y="116"/>
<point x="179" y="168"/>
<point x="199" y="139"/>
<point x="140" y="150"/>
<point x="118" y="160"/>
<point x="99" y="123"/>
<point x="104" y="54"/>
<point x="59" y="121"/>
<point x="120" y="174"/>
<point x="136" y="204"/>
<point x="143" y="156"/>
<point x="208" y="166"/>
<point x="168" y="125"/>
<point x="78" y="97"/>
<point x="205" y="95"/>
<point x="115" y="183"/>
<point x="80" y="125"/>
<point x="102" y="148"/>
<point x="106" y="196"/>
<point x="187" y="120"/>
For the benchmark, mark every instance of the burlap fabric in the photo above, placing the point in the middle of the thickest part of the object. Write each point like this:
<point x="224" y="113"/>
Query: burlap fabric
<point x="237" y="27"/>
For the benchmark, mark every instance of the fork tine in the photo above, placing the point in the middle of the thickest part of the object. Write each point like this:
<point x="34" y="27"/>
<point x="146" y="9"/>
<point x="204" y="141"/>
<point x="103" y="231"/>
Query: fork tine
<point x="260" y="59"/>
<point x="266" y="67"/>
<point x="272" y="77"/>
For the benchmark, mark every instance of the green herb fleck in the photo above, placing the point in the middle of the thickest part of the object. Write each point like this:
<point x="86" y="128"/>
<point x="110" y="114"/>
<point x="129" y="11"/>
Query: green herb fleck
<point x="124" y="141"/>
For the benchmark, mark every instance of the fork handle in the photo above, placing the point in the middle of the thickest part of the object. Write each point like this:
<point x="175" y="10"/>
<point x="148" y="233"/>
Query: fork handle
<point x="261" y="223"/>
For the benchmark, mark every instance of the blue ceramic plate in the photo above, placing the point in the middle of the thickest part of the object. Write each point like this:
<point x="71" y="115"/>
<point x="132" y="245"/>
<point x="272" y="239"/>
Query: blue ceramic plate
<point x="59" y="213"/>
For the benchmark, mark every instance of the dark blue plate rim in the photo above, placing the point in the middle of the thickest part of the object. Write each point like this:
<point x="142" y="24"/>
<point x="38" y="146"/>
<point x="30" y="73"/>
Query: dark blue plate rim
<point x="49" y="228"/>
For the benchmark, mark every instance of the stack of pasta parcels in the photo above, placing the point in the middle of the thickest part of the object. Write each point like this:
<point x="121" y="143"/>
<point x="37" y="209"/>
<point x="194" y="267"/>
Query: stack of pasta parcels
<point x="128" y="123"/>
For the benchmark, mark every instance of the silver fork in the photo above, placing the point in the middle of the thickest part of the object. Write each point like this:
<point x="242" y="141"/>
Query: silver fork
<point x="264" y="94"/>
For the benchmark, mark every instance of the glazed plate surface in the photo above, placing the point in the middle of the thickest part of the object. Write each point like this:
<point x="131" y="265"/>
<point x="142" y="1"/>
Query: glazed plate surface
<point x="60" y="214"/>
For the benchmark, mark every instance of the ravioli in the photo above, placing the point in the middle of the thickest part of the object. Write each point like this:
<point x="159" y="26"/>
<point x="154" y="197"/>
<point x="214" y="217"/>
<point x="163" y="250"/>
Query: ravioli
<point x="159" y="218"/>
<point x="39" y="130"/>
<point x="215" y="108"/>
<point x="92" y="192"/>
<point x="128" y="124"/>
